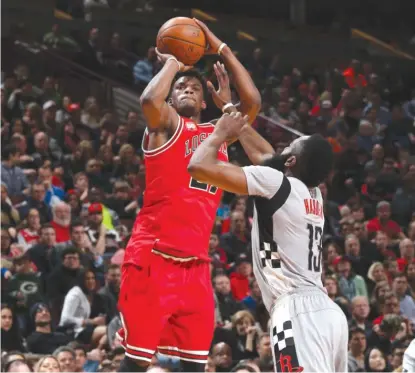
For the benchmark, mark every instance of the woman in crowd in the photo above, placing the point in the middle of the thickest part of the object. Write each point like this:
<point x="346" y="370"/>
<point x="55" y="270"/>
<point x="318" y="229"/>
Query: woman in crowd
<point x="85" y="310"/>
<point x="47" y="364"/>
<point x="378" y="294"/>
<point x="375" y="274"/>
<point x="127" y="159"/>
<point x="375" y="361"/>
<point x="106" y="156"/>
<point x="10" y="336"/>
<point x="245" y="331"/>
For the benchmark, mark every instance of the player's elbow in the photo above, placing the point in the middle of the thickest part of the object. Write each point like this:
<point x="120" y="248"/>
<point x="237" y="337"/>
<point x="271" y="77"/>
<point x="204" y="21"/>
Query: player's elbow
<point x="196" y="170"/>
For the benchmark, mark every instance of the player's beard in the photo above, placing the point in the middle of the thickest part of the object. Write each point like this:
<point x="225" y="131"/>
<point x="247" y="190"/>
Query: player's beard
<point x="276" y="162"/>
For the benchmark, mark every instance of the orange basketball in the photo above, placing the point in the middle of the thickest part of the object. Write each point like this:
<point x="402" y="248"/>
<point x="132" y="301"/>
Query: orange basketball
<point x="183" y="38"/>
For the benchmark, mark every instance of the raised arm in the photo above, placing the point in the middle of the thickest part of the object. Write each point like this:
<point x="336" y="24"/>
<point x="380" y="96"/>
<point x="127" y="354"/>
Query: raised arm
<point x="253" y="180"/>
<point x="248" y="93"/>
<point x="256" y="147"/>
<point x="206" y="168"/>
<point x="158" y="113"/>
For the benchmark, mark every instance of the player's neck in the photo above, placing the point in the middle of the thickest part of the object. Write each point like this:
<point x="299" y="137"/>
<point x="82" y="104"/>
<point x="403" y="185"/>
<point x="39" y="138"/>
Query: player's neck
<point x="196" y="118"/>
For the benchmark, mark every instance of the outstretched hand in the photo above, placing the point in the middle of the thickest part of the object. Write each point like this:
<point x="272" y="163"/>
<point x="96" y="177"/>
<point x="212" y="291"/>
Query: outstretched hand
<point x="222" y="95"/>
<point x="213" y="42"/>
<point x="230" y="125"/>
<point x="163" y="57"/>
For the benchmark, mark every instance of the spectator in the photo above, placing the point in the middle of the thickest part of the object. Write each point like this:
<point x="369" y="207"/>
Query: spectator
<point x="85" y="310"/>
<point x="254" y="298"/>
<point x="222" y="357"/>
<point x="240" y="278"/>
<point x="54" y="194"/>
<point x="17" y="366"/>
<point x="48" y="364"/>
<point x="245" y="330"/>
<point x="375" y="361"/>
<point x="63" y="278"/>
<point x="225" y="301"/>
<point x="80" y="241"/>
<point x="406" y="302"/>
<point x="44" y="340"/>
<point x="46" y="148"/>
<point x="61" y="221"/>
<point x="11" y="175"/>
<point x="360" y="314"/>
<point x="55" y="39"/>
<point x="104" y="239"/>
<point x="36" y="200"/>
<point x="66" y="358"/>
<point x="111" y="290"/>
<point x="351" y="285"/>
<point x="383" y="222"/>
<point x="10" y="335"/>
<point x="406" y="249"/>
<point x="43" y="254"/>
<point x="29" y="236"/>
<point x="236" y="240"/>
<point x="144" y="69"/>
<point x="9" y="215"/>
<point x="357" y="348"/>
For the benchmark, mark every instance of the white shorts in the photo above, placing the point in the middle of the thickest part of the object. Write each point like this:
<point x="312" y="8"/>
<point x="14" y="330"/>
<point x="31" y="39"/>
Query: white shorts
<point x="309" y="333"/>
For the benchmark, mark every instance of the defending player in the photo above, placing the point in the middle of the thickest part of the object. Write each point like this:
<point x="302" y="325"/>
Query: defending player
<point x="286" y="243"/>
<point x="166" y="299"/>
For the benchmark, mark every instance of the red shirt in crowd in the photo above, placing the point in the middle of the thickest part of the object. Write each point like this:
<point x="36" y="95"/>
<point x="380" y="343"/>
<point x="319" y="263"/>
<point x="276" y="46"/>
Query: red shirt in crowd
<point x="62" y="233"/>
<point x="239" y="286"/>
<point x="402" y="263"/>
<point x="391" y="228"/>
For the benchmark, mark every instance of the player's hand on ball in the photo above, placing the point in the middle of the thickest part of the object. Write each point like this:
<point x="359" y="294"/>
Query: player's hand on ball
<point x="163" y="57"/>
<point x="222" y="95"/>
<point x="213" y="42"/>
<point x="230" y="125"/>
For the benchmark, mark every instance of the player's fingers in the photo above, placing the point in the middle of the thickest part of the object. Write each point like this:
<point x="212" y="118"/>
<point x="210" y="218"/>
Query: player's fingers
<point x="158" y="52"/>
<point x="201" y="24"/>
<point x="246" y="118"/>
<point x="210" y="87"/>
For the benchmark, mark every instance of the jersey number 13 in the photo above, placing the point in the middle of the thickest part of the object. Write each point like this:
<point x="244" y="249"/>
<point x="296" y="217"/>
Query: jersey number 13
<point x="315" y="238"/>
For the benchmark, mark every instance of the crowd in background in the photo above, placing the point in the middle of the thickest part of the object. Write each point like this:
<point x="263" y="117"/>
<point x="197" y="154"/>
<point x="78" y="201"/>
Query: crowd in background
<point x="72" y="182"/>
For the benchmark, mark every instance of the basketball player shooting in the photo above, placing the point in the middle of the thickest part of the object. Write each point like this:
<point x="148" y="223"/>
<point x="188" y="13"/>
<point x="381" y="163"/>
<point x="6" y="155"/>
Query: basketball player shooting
<point x="308" y="330"/>
<point x="166" y="299"/>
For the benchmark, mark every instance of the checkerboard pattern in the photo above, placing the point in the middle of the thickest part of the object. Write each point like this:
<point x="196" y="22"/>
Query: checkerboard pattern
<point x="283" y="338"/>
<point x="269" y="255"/>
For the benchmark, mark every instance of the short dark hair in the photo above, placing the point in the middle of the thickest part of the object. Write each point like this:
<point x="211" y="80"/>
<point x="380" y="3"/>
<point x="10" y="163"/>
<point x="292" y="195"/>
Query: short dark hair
<point x="193" y="73"/>
<point x="113" y="266"/>
<point x="69" y="250"/>
<point x="316" y="161"/>
<point x="76" y="223"/>
<point x="355" y="330"/>
<point x="8" y="151"/>
<point x="46" y="226"/>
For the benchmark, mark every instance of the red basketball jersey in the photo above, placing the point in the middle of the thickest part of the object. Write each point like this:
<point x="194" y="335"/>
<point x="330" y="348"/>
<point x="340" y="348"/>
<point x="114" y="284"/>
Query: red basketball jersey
<point x="178" y="213"/>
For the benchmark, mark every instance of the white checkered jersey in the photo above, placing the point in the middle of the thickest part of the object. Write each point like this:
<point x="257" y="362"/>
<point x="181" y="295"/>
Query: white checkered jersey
<point x="287" y="232"/>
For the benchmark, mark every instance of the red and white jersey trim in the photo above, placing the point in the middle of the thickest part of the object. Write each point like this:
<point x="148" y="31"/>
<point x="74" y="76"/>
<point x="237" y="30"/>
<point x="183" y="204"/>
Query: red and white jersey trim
<point x="167" y="145"/>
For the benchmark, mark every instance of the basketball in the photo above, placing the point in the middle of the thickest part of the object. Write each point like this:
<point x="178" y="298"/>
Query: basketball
<point x="183" y="38"/>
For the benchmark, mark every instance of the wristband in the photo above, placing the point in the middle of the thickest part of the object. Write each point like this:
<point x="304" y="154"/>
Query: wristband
<point x="174" y="59"/>
<point x="227" y="106"/>
<point x="223" y="45"/>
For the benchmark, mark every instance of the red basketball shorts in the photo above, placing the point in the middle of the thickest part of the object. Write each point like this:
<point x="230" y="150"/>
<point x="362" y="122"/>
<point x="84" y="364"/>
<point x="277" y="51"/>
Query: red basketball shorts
<point x="167" y="306"/>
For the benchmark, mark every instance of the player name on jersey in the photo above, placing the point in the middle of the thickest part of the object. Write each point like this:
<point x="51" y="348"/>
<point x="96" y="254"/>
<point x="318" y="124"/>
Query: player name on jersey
<point x="313" y="207"/>
<point x="192" y="144"/>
